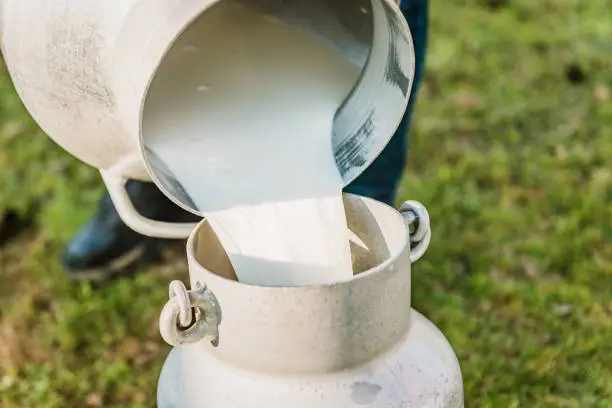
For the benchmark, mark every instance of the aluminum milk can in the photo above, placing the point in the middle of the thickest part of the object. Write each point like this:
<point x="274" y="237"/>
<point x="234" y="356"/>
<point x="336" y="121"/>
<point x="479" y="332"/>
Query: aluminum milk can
<point x="350" y="344"/>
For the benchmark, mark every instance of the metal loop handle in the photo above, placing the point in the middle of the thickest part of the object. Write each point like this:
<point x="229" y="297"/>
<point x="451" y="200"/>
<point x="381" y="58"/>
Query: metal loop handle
<point x="179" y="291"/>
<point x="115" y="185"/>
<point x="189" y="316"/>
<point x="416" y="216"/>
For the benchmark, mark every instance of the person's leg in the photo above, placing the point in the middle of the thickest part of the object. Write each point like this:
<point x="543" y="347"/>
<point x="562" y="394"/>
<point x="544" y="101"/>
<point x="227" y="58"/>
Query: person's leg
<point x="380" y="181"/>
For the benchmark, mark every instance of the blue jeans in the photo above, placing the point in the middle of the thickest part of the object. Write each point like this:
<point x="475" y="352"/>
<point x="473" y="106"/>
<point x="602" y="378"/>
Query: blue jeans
<point x="381" y="180"/>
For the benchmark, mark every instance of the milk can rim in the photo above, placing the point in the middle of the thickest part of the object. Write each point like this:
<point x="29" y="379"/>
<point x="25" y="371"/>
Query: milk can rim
<point x="371" y="273"/>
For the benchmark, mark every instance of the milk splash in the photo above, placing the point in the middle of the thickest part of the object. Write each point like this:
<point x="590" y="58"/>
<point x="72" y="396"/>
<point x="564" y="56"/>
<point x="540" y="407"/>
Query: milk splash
<point x="241" y="113"/>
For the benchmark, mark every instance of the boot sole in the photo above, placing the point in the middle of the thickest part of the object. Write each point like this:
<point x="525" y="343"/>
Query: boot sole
<point x="125" y="265"/>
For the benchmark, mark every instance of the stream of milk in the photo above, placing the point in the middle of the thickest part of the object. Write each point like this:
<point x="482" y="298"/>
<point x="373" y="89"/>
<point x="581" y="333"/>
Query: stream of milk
<point x="241" y="112"/>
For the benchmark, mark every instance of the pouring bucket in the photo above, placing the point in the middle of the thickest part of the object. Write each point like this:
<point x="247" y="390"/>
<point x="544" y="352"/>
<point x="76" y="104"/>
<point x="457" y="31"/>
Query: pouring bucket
<point x="87" y="67"/>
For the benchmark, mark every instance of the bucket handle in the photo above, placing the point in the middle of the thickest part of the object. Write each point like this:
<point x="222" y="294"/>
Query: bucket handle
<point x="128" y="213"/>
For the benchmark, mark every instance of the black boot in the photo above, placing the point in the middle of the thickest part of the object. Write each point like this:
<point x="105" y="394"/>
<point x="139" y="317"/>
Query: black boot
<point x="105" y="246"/>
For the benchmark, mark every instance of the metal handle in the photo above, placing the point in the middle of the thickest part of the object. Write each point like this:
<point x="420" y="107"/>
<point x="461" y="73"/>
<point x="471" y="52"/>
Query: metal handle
<point x="145" y="226"/>
<point x="417" y="221"/>
<point x="204" y="316"/>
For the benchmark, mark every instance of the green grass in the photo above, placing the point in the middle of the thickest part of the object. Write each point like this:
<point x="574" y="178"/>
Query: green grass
<point x="511" y="152"/>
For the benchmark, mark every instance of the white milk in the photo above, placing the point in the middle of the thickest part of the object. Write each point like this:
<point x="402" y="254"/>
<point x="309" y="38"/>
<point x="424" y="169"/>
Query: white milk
<point x="252" y="102"/>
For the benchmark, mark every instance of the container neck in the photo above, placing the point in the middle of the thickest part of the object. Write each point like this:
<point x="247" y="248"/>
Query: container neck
<point x="320" y="329"/>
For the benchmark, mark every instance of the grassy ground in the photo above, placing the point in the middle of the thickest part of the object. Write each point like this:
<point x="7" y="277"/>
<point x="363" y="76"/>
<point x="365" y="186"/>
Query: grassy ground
<point x="510" y="152"/>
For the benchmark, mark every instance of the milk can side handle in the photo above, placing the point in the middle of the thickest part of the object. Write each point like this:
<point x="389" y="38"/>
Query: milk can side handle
<point x="417" y="221"/>
<point x="145" y="226"/>
<point x="201" y="310"/>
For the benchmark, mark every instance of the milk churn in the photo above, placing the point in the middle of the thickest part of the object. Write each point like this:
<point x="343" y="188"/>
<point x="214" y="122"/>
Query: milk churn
<point x="349" y="344"/>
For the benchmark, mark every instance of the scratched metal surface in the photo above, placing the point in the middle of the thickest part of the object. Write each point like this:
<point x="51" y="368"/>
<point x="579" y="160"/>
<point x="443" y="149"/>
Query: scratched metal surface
<point x="371" y="114"/>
